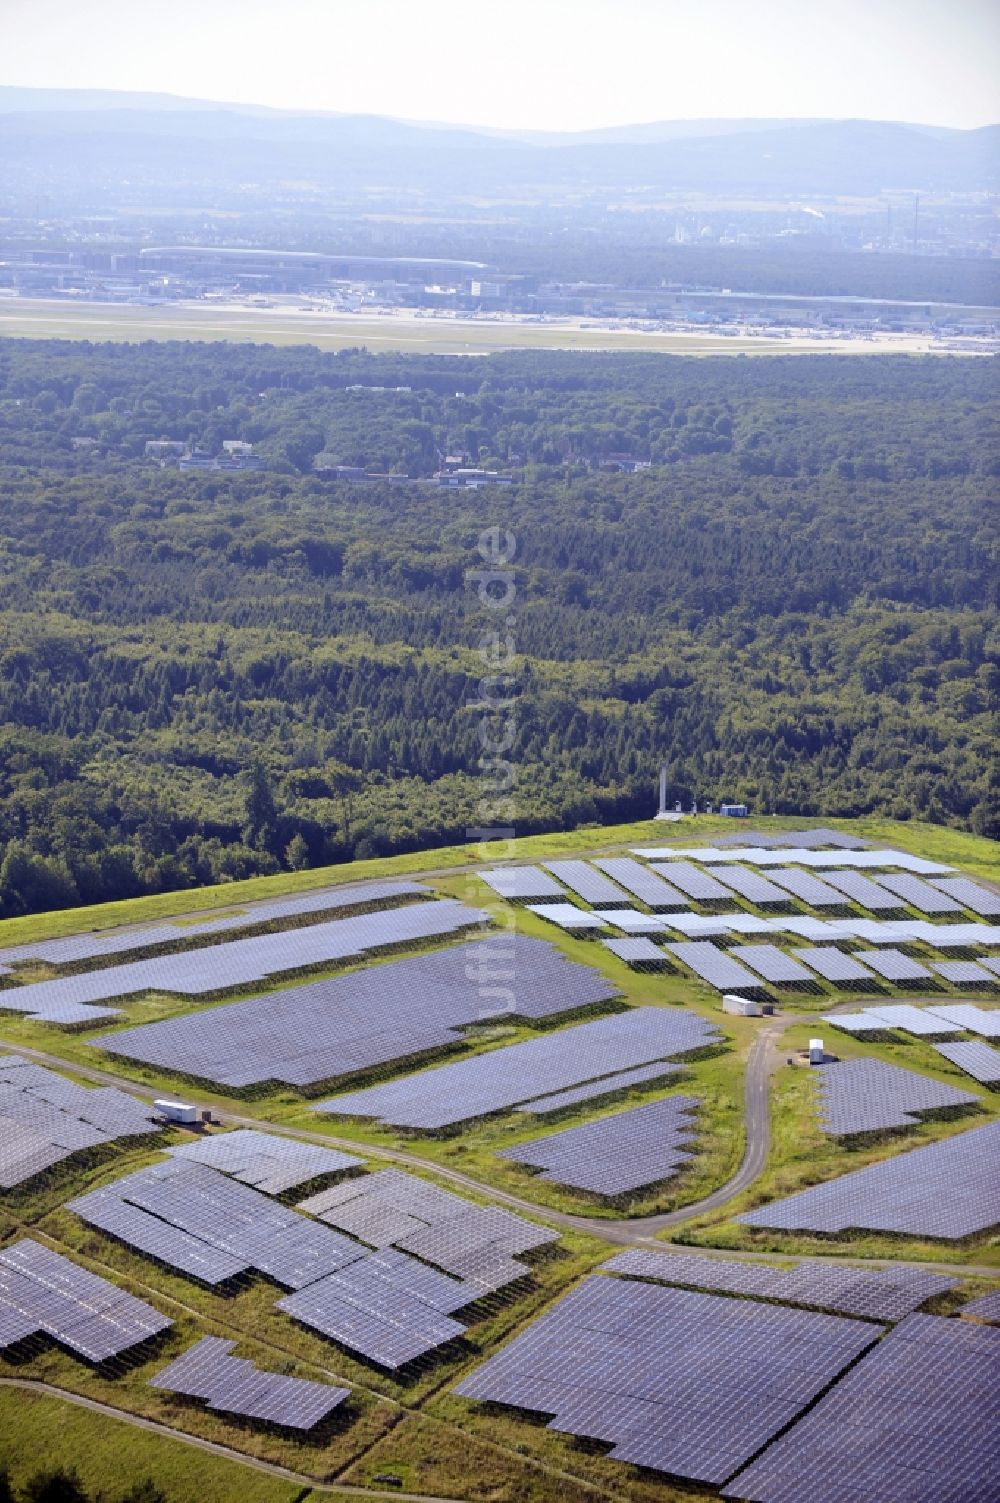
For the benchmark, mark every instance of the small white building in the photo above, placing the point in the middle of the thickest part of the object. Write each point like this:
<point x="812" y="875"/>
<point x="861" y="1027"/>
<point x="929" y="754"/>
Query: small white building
<point x="816" y="1054"/>
<point x="743" y="1007"/>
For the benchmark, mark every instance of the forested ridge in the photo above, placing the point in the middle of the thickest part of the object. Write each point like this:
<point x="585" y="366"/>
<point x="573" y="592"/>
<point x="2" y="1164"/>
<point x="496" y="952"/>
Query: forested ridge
<point x="206" y="675"/>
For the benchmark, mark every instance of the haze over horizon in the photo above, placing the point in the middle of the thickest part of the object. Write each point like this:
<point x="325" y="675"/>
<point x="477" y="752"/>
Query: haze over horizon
<point x="600" y="66"/>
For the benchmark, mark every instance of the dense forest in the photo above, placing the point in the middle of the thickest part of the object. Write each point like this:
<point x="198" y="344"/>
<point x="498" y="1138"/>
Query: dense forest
<point x="207" y="675"/>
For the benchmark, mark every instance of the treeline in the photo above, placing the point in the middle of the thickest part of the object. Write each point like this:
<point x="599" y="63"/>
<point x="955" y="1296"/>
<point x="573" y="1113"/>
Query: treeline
<point x="205" y="676"/>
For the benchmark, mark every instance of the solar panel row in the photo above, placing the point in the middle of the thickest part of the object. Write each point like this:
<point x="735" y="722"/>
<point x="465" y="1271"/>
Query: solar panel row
<point x="987" y="1308"/>
<point x="232" y="1385"/>
<point x="824" y="860"/>
<point x="773" y="964"/>
<point x="688" y="1384"/>
<point x="976" y="1059"/>
<point x="810" y="888"/>
<point x="868" y="1095"/>
<point x="590" y="885"/>
<point x="96" y="946"/>
<point x="977" y="899"/>
<point x="861" y="889"/>
<point x="638" y="952"/>
<point x="615" y="1155"/>
<point x="646" y="885"/>
<point x="212" y="1227"/>
<point x="387" y="1307"/>
<point x="894" y="966"/>
<point x="922" y="1023"/>
<point x="917" y="893"/>
<point x="477" y="1244"/>
<point x="510" y="1076"/>
<point x="749" y="885"/>
<point x="242" y="962"/>
<point x="804" y="839"/>
<point x="41" y="1292"/>
<point x="45" y="1118"/>
<point x="948" y="1189"/>
<point x="371" y="1018"/>
<point x="567" y="916"/>
<point x="698" y="884"/>
<point x="715" y="967"/>
<point x="970" y="1019"/>
<point x="886" y="1294"/>
<point x="915" y="1420"/>
<point x="595" y="1089"/>
<point x="522" y="884"/>
<point x="269" y="1163"/>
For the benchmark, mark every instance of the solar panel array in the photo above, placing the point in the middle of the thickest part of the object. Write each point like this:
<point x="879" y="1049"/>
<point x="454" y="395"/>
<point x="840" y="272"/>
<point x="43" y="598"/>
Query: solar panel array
<point x="232" y="1385"/>
<point x="522" y="884"/>
<point x="970" y="1019"/>
<point x="701" y="923"/>
<point x="861" y="889"/>
<point x="387" y="1307"/>
<point x="41" y="1292"/>
<point x="885" y="1294"/>
<point x="868" y="1095"/>
<point x="694" y="881"/>
<point x="823" y="860"/>
<point x="631" y="921"/>
<point x="976" y="1059"/>
<point x="568" y="916"/>
<point x="978" y="899"/>
<point x="45" y="1118"/>
<point x="688" y="1384"/>
<point x="947" y="1189"/>
<point x="803" y="839"/>
<point x="895" y="966"/>
<point x="749" y="885"/>
<point x="590" y="885"/>
<point x="595" y="1089"/>
<point x="70" y="1000"/>
<point x="96" y="946"/>
<point x="773" y="964"/>
<point x="715" y="967"/>
<point x="987" y="1308"/>
<point x="523" y="1072"/>
<point x="269" y="1163"/>
<point x="926" y="1023"/>
<point x="832" y="965"/>
<point x="615" y="1155"/>
<point x="914" y="1422"/>
<point x="917" y="893"/>
<point x="963" y="973"/>
<point x="640" y="952"/>
<point x="646" y="885"/>
<point x="480" y="1245"/>
<point x="351" y="1023"/>
<point x="213" y="1228"/>
<point x="810" y="888"/>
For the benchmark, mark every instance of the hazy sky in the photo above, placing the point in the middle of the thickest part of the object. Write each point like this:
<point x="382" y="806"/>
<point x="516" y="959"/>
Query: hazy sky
<point x="557" y="64"/>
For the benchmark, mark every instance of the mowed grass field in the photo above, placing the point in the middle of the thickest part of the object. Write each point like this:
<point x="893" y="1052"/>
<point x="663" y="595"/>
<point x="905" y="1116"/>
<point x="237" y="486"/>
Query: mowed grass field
<point x="975" y="854"/>
<point x="52" y="319"/>
<point x="37" y="1431"/>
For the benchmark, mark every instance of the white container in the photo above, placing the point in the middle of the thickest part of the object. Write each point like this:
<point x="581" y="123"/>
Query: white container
<point x="177" y="1111"/>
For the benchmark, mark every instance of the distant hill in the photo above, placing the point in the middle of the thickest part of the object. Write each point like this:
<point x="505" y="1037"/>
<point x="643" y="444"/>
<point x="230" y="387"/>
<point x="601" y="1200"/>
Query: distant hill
<point x="77" y="139"/>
